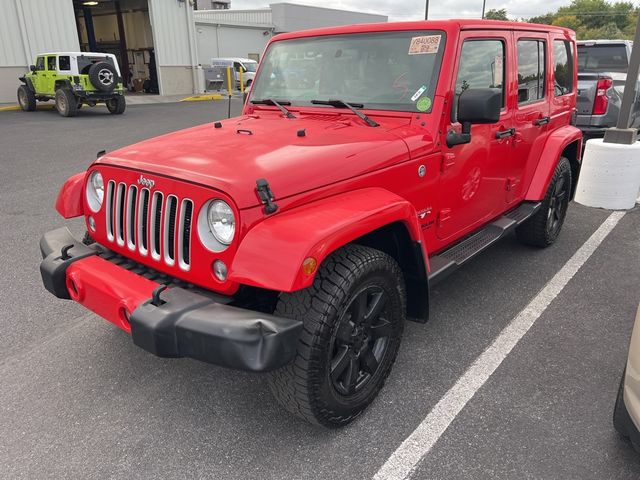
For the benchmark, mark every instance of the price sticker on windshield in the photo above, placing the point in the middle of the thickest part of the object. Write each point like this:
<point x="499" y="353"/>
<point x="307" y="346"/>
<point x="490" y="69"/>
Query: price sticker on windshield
<point x="424" y="45"/>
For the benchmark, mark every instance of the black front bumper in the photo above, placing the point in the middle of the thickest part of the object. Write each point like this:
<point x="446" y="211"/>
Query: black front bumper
<point x="191" y="325"/>
<point x="181" y="322"/>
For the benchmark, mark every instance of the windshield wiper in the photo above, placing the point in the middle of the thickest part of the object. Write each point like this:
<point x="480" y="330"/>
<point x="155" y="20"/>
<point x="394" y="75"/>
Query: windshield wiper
<point x="350" y="106"/>
<point x="276" y="103"/>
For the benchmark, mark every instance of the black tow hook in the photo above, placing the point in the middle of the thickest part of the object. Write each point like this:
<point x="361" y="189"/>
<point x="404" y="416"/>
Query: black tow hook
<point x="64" y="252"/>
<point x="156" y="301"/>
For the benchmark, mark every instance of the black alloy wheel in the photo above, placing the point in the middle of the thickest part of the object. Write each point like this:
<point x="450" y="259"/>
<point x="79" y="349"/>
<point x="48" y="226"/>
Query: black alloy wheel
<point x="557" y="207"/>
<point x="360" y="341"/>
<point x="543" y="228"/>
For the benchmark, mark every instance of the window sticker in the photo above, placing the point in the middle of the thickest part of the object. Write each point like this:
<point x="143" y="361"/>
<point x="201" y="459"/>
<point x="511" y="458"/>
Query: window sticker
<point x="424" y="45"/>
<point x="424" y="104"/>
<point x="420" y="91"/>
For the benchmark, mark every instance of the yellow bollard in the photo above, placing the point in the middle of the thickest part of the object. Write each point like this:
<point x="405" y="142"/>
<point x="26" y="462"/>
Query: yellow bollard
<point x="241" y="82"/>
<point x="229" y="90"/>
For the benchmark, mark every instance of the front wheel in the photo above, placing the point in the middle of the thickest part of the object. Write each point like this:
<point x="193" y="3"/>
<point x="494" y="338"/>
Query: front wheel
<point x="353" y="318"/>
<point x="543" y="228"/>
<point x="66" y="103"/>
<point x="116" y="105"/>
<point x="26" y="98"/>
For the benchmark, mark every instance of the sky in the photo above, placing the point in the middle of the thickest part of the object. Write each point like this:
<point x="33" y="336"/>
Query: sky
<point x="407" y="10"/>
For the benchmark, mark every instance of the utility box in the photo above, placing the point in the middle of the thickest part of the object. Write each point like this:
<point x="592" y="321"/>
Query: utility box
<point x="215" y="78"/>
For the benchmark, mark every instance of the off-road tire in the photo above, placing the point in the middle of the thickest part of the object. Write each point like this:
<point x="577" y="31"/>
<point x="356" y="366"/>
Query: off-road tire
<point x="304" y="387"/>
<point x="540" y="230"/>
<point x="66" y="102"/>
<point x="103" y="76"/>
<point x="116" y="105"/>
<point x="26" y="98"/>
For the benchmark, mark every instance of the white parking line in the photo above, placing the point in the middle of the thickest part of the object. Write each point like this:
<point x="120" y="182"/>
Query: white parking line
<point x="404" y="460"/>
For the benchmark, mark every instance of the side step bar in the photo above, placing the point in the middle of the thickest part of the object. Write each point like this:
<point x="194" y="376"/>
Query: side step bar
<point x="452" y="258"/>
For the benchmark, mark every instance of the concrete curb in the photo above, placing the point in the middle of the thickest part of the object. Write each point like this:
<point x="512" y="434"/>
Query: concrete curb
<point x="203" y="98"/>
<point x="15" y="108"/>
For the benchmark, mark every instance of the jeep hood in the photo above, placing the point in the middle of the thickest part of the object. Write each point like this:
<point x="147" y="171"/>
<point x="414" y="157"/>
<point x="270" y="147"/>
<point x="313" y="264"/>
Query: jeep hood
<point x="294" y="155"/>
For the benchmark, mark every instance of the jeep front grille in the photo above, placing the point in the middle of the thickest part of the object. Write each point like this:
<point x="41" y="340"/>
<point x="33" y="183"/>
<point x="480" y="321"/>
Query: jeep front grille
<point x="151" y="223"/>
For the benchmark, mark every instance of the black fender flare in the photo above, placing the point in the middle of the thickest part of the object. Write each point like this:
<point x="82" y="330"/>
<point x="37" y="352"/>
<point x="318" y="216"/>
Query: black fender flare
<point x="27" y="82"/>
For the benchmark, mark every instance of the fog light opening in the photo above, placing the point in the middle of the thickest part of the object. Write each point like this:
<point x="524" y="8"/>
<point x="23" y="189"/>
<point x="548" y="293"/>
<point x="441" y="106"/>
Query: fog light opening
<point x="220" y="270"/>
<point x="92" y="224"/>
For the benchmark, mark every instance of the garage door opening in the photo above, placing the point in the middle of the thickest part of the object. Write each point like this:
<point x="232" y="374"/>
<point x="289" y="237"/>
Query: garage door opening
<point x="123" y="28"/>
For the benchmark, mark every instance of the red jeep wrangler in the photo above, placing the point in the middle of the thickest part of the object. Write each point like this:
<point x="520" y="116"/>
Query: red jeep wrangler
<point x="369" y="163"/>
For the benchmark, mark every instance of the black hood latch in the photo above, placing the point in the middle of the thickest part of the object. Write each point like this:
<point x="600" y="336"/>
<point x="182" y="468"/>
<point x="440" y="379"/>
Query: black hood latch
<point x="266" y="196"/>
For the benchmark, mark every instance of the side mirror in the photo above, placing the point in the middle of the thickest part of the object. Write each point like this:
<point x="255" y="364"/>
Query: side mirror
<point x="475" y="106"/>
<point x="32" y="68"/>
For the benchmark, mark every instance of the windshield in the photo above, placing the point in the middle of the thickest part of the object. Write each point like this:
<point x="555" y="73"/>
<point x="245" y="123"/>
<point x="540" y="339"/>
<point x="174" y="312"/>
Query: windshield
<point x="250" y="66"/>
<point x="384" y="71"/>
<point x="602" y="58"/>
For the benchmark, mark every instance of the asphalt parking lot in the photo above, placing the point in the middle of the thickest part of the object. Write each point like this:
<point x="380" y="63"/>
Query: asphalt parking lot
<point x="79" y="400"/>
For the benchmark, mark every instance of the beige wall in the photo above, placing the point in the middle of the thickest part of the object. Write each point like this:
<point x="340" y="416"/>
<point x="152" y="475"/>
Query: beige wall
<point x="175" y="80"/>
<point x="9" y="83"/>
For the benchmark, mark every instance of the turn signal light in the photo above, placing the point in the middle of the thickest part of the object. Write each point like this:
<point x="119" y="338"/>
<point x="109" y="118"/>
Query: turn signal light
<point x="309" y="266"/>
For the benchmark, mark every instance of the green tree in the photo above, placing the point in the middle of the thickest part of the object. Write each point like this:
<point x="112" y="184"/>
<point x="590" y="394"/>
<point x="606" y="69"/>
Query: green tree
<point x="494" y="14"/>
<point x="594" y="19"/>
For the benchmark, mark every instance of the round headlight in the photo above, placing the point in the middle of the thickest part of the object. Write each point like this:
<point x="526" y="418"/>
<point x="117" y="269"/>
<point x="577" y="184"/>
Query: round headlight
<point x="221" y="221"/>
<point x="95" y="191"/>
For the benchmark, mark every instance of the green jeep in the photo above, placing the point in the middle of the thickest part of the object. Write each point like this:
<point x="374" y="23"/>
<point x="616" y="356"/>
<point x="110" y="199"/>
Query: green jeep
<point x="73" y="79"/>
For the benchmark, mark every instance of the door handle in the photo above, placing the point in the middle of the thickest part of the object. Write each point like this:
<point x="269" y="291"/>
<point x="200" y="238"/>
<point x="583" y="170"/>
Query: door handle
<point x="509" y="132"/>
<point x="541" y="121"/>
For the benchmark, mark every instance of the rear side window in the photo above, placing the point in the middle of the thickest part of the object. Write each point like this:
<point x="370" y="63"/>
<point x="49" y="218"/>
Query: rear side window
<point x="40" y="63"/>
<point x="51" y="63"/>
<point x="64" y="62"/>
<point x="602" y="58"/>
<point x="531" y="70"/>
<point x="85" y="62"/>
<point x="562" y="67"/>
<point x="481" y="66"/>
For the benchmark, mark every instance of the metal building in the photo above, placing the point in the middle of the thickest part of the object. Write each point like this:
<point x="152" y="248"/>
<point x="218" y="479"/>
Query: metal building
<point x="154" y="40"/>
<point x="158" y="43"/>
<point x="245" y="33"/>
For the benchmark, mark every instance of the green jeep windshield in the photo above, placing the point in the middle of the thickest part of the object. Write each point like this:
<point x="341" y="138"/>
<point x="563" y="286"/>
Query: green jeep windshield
<point x="382" y="71"/>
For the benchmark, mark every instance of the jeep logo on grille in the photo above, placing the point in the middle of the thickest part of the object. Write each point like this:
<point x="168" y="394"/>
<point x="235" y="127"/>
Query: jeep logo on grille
<point x="146" y="182"/>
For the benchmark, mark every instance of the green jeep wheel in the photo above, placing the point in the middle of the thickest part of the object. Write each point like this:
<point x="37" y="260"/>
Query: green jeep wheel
<point x="116" y="105"/>
<point x="26" y="99"/>
<point x="66" y="102"/>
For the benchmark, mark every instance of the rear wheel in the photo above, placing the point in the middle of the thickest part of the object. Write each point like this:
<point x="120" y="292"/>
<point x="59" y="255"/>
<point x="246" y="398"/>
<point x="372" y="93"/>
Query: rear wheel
<point x="116" y="105"/>
<point x="543" y="228"/>
<point x="353" y="318"/>
<point x="26" y="99"/>
<point x="66" y="103"/>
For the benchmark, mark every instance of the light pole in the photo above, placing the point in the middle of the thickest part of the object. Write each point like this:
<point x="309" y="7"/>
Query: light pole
<point x="426" y="11"/>
<point x="484" y="4"/>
